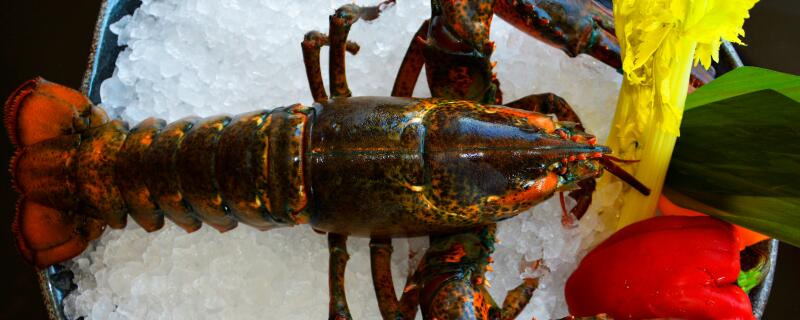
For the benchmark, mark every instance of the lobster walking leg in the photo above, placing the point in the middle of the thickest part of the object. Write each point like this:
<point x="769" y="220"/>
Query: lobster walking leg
<point x="412" y="64"/>
<point x="340" y="23"/>
<point x="548" y="103"/>
<point x="380" y="250"/>
<point x="337" y="246"/>
<point x="518" y="298"/>
<point x="312" y="43"/>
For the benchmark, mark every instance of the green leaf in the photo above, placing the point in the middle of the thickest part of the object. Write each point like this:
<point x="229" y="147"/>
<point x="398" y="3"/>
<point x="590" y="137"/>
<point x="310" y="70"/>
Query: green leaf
<point x="738" y="156"/>
<point x="744" y="80"/>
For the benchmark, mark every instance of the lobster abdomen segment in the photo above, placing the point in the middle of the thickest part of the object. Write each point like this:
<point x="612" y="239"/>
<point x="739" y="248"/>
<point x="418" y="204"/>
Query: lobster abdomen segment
<point x="162" y="179"/>
<point x="198" y="180"/>
<point x="242" y="172"/>
<point x="97" y="155"/>
<point x="131" y="171"/>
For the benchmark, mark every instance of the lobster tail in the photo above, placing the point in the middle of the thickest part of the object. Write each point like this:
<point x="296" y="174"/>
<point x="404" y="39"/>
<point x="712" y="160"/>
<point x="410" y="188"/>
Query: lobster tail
<point x="44" y="122"/>
<point x="77" y="171"/>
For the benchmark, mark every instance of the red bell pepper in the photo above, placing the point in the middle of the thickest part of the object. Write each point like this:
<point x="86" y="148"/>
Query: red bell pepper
<point x="663" y="267"/>
<point x="668" y="208"/>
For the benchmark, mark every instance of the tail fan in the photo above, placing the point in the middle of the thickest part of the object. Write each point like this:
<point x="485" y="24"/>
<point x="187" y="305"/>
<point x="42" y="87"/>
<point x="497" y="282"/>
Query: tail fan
<point x="44" y="121"/>
<point x="47" y="236"/>
<point x="39" y="110"/>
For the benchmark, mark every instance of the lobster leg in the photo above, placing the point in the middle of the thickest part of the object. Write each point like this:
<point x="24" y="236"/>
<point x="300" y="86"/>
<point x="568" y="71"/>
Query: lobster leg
<point x="460" y="300"/>
<point x="573" y="26"/>
<point x="518" y="298"/>
<point x="337" y="246"/>
<point x="452" y="279"/>
<point x="380" y="250"/>
<point x="457" y="51"/>
<point x="312" y="43"/>
<point x="457" y="299"/>
<point x="412" y="64"/>
<point x="475" y="302"/>
<point x="340" y="23"/>
<point x="583" y="197"/>
<point x="550" y="103"/>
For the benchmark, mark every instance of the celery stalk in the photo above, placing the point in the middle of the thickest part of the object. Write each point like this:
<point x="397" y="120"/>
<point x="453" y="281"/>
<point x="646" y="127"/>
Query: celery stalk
<point x="659" y="40"/>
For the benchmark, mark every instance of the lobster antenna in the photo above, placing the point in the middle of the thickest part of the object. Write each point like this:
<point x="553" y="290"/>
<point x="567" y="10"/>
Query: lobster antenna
<point x="610" y="166"/>
<point x="615" y="159"/>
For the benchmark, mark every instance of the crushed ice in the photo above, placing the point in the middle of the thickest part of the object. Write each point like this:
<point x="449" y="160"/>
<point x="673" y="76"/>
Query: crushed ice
<point x="206" y="57"/>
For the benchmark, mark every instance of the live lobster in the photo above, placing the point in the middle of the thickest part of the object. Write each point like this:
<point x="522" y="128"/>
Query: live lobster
<point x="414" y="166"/>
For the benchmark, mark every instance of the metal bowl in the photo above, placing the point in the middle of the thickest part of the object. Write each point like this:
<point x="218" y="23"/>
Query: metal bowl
<point x="56" y="281"/>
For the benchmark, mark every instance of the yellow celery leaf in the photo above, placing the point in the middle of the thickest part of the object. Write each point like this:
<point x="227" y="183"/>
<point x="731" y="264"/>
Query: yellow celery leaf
<point x="643" y="37"/>
<point x="644" y="51"/>
<point x="706" y="52"/>
<point x="723" y="16"/>
<point x="717" y="20"/>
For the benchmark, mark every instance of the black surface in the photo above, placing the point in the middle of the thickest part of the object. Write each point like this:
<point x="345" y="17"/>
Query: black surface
<point x="53" y="38"/>
<point x="50" y="38"/>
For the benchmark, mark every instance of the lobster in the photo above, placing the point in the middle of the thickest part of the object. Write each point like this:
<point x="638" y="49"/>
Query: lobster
<point x="420" y="166"/>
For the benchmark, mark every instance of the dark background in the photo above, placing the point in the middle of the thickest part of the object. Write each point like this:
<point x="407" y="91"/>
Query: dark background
<point x="53" y="38"/>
